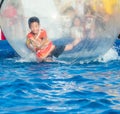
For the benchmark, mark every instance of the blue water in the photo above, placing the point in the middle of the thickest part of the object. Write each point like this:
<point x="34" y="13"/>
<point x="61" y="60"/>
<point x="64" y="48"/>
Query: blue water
<point x="58" y="88"/>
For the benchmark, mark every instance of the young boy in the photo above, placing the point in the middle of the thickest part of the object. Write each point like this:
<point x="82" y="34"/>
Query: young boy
<point x="39" y="43"/>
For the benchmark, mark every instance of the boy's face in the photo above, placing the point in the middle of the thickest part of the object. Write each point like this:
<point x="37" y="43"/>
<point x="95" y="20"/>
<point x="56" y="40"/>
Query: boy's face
<point x="35" y="27"/>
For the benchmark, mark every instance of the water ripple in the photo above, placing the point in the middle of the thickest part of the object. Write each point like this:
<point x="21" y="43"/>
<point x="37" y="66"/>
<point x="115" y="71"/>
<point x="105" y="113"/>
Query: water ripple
<point x="58" y="88"/>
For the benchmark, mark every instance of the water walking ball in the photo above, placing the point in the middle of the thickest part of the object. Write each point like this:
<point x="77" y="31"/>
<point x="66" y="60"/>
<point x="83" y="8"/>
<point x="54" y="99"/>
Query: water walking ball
<point x="94" y="22"/>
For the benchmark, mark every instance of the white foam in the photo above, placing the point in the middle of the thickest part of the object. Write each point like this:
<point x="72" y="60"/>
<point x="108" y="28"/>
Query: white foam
<point x="109" y="56"/>
<point x="31" y="58"/>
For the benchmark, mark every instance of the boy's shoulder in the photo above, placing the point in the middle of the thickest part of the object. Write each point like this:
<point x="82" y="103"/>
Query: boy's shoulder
<point x="30" y="35"/>
<point x="43" y="30"/>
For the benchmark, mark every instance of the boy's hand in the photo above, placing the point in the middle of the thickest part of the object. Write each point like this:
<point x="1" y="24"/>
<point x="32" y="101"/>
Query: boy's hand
<point x="42" y="43"/>
<point x="35" y="43"/>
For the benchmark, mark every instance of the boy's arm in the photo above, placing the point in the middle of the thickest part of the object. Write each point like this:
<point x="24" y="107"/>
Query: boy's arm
<point x="44" y="40"/>
<point x="29" y="45"/>
<point x="43" y="43"/>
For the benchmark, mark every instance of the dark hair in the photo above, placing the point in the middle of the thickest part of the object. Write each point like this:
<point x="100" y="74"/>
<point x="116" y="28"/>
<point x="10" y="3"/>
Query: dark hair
<point x="33" y="19"/>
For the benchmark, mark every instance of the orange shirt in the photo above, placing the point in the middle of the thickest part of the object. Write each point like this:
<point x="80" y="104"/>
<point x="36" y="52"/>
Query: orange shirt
<point x="42" y="35"/>
<point x="46" y="46"/>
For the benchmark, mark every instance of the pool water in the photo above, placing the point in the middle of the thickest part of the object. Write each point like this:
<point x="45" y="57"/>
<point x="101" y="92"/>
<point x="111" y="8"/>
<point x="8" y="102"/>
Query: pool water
<point x="59" y="88"/>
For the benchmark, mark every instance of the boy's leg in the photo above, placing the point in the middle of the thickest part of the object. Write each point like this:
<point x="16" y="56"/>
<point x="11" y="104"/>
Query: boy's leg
<point x="48" y="59"/>
<point x="49" y="52"/>
<point x="69" y="47"/>
<point x="58" y="50"/>
<point x="40" y="59"/>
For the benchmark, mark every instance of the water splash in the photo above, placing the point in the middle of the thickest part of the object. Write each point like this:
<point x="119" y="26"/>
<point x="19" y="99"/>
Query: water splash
<point x="112" y="54"/>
